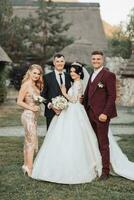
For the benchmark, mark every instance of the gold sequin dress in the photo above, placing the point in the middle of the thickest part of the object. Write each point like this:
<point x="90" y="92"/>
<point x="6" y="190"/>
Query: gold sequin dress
<point x="29" y="121"/>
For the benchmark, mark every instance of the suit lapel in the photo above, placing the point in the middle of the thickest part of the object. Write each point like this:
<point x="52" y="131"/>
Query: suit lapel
<point x="56" y="84"/>
<point x="66" y="80"/>
<point x="90" y="77"/>
<point x="94" y="84"/>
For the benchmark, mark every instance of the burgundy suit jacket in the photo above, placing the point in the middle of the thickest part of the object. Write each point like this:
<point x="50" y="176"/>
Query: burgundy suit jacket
<point x="100" y="95"/>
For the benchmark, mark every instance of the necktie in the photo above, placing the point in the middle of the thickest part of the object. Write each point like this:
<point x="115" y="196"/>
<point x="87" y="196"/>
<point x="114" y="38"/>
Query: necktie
<point x="61" y="81"/>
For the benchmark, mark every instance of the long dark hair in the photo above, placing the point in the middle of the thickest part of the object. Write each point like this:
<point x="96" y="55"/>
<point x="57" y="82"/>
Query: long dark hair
<point x="78" y="69"/>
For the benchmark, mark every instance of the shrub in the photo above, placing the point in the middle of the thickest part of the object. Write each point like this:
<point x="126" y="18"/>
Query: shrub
<point x="3" y="76"/>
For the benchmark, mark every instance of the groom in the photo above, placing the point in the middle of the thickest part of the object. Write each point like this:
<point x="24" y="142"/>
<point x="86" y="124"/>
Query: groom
<point x="52" y="84"/>
<point x="99" y="102"/>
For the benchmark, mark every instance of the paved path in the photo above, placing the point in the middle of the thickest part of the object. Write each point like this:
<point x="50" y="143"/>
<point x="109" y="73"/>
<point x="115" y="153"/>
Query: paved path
<point x="123" y="124"/>
<point x="19" y="131"/>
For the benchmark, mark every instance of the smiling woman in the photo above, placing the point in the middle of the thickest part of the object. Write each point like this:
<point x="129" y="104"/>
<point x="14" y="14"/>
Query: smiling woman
<point x="32" y="84"/>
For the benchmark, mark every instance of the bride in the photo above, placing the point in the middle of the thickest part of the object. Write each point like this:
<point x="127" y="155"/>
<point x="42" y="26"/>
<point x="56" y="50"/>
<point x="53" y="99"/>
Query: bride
<point x="70" y="153"/>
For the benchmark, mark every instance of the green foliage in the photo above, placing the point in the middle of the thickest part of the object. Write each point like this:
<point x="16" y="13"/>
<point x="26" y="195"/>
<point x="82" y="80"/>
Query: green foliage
<point x="6" y="12"/>
<point x="120" y="44"/>
<point x="11" y="31"/>
<point x="47" y="31"/>
<point x="16" y="186"/>
<point x="3" y="76"/>
<point x="16" y="43"/>
<point x="31" y="36"/>
<point x="130" y="24"/>
<point x="120" y="47"/>
<point x="5" y="20"/>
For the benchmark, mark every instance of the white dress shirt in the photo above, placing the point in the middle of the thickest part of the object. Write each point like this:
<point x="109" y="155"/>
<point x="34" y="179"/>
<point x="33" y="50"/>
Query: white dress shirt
<point x="95" y="73"/>
<point x="58" y="76"/>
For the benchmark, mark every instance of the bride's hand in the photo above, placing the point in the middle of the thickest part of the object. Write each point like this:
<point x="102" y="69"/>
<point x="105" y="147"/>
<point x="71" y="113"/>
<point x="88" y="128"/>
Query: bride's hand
<point x="63" y="89"/>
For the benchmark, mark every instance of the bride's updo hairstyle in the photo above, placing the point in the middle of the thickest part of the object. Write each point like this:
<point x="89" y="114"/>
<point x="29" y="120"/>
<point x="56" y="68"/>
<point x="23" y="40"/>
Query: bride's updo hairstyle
<point x="78" y="69"/>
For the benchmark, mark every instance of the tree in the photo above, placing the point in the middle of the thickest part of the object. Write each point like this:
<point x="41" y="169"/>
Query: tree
<point x="47" y="31"/>
<point x="17" y="42"/>
<point x="3" y="76"/>
<point x="12" y="31"/>
<point x="130" y="24"/>
<point x="17" y="73"/>
<point x="5" y="19"/>
<point x="120" y="44"/>
<point x="6" y="12"/>
<point x="36" y="37"/>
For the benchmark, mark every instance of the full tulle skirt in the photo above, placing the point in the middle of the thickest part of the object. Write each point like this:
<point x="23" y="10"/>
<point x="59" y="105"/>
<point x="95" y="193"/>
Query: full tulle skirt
<point x="70" y="153"/>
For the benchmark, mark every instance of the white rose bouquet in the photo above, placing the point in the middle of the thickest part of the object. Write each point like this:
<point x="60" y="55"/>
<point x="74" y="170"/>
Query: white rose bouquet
<point x="38" y="99"/>
<point x="59" y="103"/>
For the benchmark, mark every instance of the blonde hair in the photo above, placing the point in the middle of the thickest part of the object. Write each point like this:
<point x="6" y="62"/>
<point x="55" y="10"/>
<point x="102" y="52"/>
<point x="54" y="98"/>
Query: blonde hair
<point x="39" y="83"/>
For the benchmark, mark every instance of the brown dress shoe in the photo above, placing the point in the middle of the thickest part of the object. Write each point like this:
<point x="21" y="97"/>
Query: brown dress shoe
<point x="104" y="177"/>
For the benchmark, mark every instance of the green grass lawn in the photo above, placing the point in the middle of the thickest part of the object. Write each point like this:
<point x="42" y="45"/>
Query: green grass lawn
<point x="16" y="186"/>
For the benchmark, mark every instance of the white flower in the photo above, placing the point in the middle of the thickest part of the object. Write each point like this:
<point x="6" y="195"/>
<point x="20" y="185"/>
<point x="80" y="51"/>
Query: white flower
<point x="38" y="99"/>
<point x="100" y="85"/>
<point x="59" y="103"/>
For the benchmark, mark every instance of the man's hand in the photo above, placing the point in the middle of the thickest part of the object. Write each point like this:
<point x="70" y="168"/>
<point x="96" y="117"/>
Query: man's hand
<point x="103" y="118"/>
<point x="56" y="111"/>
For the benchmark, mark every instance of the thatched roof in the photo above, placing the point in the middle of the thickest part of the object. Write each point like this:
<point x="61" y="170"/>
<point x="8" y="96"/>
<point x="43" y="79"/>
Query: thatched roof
<point x="3" y="56"/>
<point x="77" y="52"/>
<point x="86" y="27"/>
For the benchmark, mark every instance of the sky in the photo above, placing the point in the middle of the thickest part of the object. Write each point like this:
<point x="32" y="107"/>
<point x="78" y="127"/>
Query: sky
<point x="114" y="11"/>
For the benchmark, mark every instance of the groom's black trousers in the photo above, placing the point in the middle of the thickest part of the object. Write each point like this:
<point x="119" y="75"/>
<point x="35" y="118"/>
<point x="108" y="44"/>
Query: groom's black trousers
<point x="48" y="121"/>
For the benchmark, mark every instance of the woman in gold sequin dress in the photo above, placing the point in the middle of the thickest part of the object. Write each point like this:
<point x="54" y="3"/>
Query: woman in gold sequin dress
<point x="32" y="85"/>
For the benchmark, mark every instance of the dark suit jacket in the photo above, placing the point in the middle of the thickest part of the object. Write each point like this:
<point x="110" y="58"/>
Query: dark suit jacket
<point x="52" y="89"/>
<point x="100" y="95"/>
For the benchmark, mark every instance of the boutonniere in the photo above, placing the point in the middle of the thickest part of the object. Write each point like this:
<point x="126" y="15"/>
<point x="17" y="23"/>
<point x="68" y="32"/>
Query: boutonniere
<point x="100" y="85"/>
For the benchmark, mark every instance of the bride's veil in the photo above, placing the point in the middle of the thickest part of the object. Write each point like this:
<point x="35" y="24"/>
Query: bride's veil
<point x="85" y="79"/>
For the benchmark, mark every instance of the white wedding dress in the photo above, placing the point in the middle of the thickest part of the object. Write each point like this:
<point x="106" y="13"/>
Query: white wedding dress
<point x="70" y="153"/>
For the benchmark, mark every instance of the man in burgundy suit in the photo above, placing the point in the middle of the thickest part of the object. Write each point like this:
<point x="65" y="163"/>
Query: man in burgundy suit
<point x="99" y="102"/>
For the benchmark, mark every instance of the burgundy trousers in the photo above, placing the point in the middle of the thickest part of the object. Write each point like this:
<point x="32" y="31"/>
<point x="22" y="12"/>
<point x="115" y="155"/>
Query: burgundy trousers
<point x="101" y="131"/>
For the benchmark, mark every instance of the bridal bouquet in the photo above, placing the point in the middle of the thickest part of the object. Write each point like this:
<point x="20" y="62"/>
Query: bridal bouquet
<point x="59" y="103"/>
<point x="38" y="99"/>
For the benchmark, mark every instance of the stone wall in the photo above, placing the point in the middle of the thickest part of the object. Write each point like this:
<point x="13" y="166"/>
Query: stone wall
<point x="127" y="92"/>
<point x="125" y="86"/>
